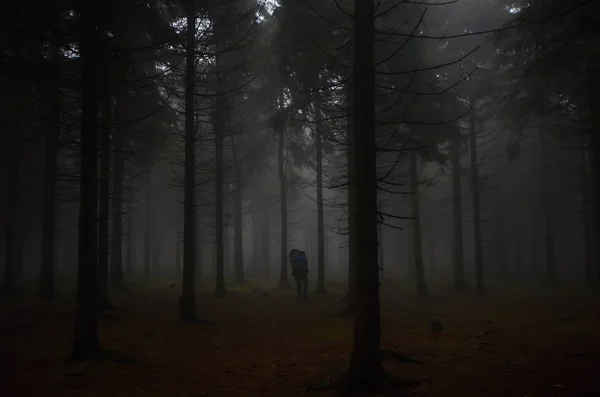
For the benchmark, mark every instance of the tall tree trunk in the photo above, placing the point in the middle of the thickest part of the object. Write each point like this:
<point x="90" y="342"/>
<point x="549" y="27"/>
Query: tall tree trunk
<point x="416" y="228"/>
<point x="459" y="266"/>
<point x="476" y="207"/>
<point x="350" y="191"/>
<point x="256" y="237"/>
<point x="47" y="265"/>
<point x="103" y="209"/>
<point x="116" y="260"/>
<point x="8" y="286"/>
<point x="594" y="105"/>
<point x="178" y="250"/>
<point x="265" y="240"/>
<point x="148" y="235"/>
<point x="365" y="370"/>
<point x="85" y="343"/>
<point x="219" y="213"/>
<point x="547" y="204"/>
<point x="129" y="254"/>
<point x="238" y="243"/>
<point x="320" y="221"/>
<point x="586" y="216"/>
<point x="188" y="294"/>
<point x="281" y="163"/>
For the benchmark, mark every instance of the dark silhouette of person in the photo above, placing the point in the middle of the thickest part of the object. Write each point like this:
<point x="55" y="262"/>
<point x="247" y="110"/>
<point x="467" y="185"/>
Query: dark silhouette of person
<point x="300" y="273"/>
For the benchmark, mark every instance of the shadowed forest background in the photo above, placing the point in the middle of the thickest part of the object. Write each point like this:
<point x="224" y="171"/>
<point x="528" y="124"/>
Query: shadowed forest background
<point x="438" y="161"/>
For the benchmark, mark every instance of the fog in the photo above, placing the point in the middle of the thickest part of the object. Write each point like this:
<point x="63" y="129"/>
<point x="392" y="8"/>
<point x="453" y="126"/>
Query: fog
<point x="434" y="163"/>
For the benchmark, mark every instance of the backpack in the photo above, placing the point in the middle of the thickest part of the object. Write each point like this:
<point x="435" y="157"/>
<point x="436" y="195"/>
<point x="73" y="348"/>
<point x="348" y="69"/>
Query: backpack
<point x="300" y="264"/>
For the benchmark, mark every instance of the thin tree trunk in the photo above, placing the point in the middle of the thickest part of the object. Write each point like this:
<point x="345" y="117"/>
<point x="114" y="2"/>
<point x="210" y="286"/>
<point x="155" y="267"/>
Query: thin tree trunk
<point x="238" y="243"/>
<point x="256" y="237"/>
<point x="178" y="251"/>
<point x="47" y="265"/>
<point x="148" y="235"/>
<point x="283" y="280"/>
<point x="116" y="261"/>
<point x="547" y="204"/>
<point x="12" y="222"/>
<point x="129" y="259"/>
<point x="350" y="191"/>
<point x="476" y="207"/>
<point x="416" y="228"/>
<point x="459" y="267"/>
<point x="365" y="370"/>
<point x="586" y="216"/>
<point x="188" y="293"/>
<point x="85" y="343"/>
<point x="220" y="229"/>
<point x="265" y="240"/>
<point x="320" y="221"/>
<point x="103" y="209"/>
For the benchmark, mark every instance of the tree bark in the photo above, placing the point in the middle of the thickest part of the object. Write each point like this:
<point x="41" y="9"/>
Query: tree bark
<point x="320" y="221"/>
<point x="416" y="228"/>
<point x="265" y="240"/>
<point x="587" y="226"/>
<point x="12" y="222"/>
<point x="350" y="160"/>
<point x="129" y="259"/>
<point x="188" y="293"/>
<point x="47" y="265"/>
<point x="480" y="282"/>
<point x="281" y="163"/>
<point x="148" y="235"/>
<point x="238" y="243"/>
<point x="365" y="370"/>
<point x="548" y="208"/>
<point x="459" y="267"/>
<point x="85" y="343"/>
<point x="594" y="106"/>
<point x="116" y="261"/>
<point x="104" y="207"/>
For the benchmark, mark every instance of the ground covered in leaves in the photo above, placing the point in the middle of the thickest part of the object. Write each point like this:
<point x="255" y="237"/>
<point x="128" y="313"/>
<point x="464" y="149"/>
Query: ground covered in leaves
<point x="264" y="343"/>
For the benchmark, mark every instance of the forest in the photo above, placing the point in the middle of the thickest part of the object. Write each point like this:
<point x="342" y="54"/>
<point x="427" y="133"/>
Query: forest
<point x="167" y="165"/>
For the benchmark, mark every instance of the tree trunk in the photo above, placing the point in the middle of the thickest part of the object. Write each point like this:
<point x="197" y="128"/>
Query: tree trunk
<point x="476" y="207"/>
<point x="12" y="222"/>
<point x="85" y="344"/>
<point x="282" y="162"/>
<point x="148" y="234"/>
<point x="416" y="228"/>
<point x="187" y="301"/>
<point x="178" y="251"/>
<point x="320" y="221"/>
<point x="586" y="216"/>
<point x="129" y="259"/>
<point x="365" y="370"/>
<point x="548" y="209"/>
<point x="350" y="160"/>
<point x="103" y="209"/>
<point x="256" y="237"/>
<point x="593" y="100"/>
<point x="116" y="260"/>
<point x="238" y="243"/>
<point x="219" y="213"/>
<point x="459" y="267"/>
<point x="47" y="265"/>
<point x="265" y="240"/>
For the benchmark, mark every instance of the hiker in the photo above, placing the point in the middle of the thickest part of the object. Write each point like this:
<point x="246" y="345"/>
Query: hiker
<point x="300" y="273"/>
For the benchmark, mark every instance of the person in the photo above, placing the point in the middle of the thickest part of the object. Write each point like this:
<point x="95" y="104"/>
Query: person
<point x="300" y="273"/>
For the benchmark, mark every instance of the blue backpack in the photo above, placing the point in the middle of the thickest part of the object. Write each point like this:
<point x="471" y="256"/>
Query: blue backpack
<point x="300" y="264"/>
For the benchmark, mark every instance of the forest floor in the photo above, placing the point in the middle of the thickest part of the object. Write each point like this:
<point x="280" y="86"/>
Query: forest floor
<point x="264" y="343"/>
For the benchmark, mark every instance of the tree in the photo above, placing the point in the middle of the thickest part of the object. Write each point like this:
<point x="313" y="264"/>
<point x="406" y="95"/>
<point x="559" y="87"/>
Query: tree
<point x="188" y="295"/>
<point x="92" y="48"/>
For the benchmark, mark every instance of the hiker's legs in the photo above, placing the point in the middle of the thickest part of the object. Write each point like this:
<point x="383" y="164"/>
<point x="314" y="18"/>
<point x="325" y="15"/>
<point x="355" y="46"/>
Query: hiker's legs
<point x="304" y="287"/>
<point x="298" y="284"/>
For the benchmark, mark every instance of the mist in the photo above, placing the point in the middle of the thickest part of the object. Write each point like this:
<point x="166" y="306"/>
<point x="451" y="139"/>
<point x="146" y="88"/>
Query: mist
<point x="244" y="197"/>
